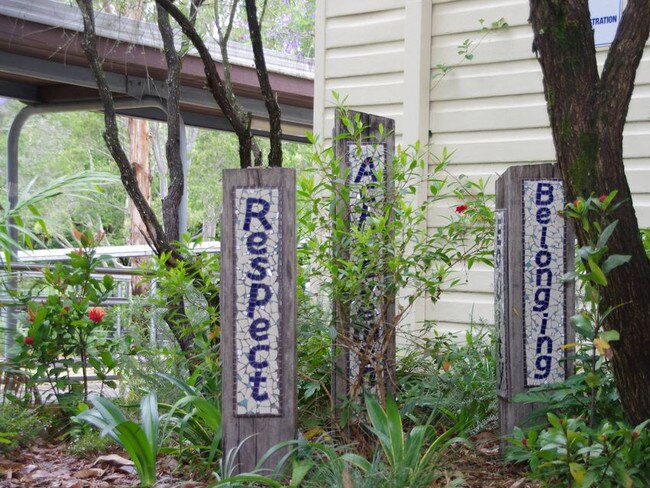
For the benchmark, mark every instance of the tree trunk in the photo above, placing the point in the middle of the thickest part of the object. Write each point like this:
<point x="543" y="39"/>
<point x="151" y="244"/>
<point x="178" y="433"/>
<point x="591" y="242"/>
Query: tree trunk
<point x="587" y="111"/>
<point x="139" y="156"/>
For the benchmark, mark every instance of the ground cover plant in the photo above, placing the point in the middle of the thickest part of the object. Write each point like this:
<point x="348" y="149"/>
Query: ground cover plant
<point x="588" y="441"/>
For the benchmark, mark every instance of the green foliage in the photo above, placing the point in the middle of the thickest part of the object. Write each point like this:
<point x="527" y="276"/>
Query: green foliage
<point x="589" y="445"/>
<point x="67" y="331"/>
<point x="570" y="453"/>
<point x="591" y="389"/>
<point x="410" y="459"/>
<point x="87" y="443"/>
<point x="196" y="421"/>
<point x="450" y="381"/>
<point x="19" y="427"/>
<point x="66" y="146"/>
<point x="363" y="265"/>
<point x="466" y="49"/>
<point x="141" y="441"/>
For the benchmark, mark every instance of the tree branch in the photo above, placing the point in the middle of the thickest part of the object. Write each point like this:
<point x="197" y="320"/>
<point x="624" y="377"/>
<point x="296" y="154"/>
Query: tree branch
<point x="111" y="133"/>
<point x="624" y="56"/>
<point x="275" y="136"/>
<point x="215" y="83"/>
<point x="172" y="202"/>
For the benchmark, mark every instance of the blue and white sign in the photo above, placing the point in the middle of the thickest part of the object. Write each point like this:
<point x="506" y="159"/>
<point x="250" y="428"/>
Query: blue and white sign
<point x="544" y="236"/>
<point x="366" y="179"/>
<point x="605" y="17"/>
<point x="257" y="302"/>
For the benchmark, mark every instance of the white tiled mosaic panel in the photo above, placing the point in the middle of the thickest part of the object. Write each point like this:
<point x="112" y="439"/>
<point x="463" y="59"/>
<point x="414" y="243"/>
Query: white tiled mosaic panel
<point x="257" y="307"/>
<point x="367" y="164"/>
<point x="499" y="297"/>
<point x="543" y="265"/>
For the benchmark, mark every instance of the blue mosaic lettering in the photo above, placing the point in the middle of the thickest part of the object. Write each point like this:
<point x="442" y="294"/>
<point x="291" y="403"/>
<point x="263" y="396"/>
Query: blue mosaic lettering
<point x="252" y="356"/>
<point x="367" y="168"/>
<point x="261" y="270"/>
<point x="254" y="301"/>
<point x="540" y="273"/>
<point x="256" y="380"/>
<point x="543" y="215"/>
<point x="259" y="215"/>
<point x="542" y="329"/>
<point x="544" y="193"/>
<point x="542" y="242"/>
<point x="549" y="344"/>
<point x="543" y="363"/>
<point x="547" y="259"/>
<point x="258" y="327"/>
<point x="254" y="243"/>
<point x="542" y="297"/>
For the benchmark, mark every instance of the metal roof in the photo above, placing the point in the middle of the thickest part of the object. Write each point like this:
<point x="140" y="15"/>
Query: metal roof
<point x="41" y="61"/>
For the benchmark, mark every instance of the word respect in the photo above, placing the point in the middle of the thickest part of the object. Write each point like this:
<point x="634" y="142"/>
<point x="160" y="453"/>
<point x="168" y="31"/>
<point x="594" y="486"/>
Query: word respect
<point x="259" y="293"/>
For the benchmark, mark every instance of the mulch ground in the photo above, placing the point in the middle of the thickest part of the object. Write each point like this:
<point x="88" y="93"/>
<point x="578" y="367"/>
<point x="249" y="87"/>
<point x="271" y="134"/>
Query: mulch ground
<point x="482" y="466"/>
<point x="50" y="466"/>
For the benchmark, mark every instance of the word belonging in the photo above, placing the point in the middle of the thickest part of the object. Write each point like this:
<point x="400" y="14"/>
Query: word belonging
<point x="543" y="289"/>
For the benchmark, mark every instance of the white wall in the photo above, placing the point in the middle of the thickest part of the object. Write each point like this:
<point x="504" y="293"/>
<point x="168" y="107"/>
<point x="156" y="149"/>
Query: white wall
<point x="490" y="111"/>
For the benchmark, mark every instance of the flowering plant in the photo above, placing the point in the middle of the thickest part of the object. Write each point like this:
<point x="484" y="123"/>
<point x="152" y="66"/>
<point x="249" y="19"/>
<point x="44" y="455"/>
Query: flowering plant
<point x="64" y="326"/>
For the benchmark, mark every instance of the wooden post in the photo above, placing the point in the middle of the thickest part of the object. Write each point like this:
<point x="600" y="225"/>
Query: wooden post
<point x="258" y="313"/>
<point x="365" y="328"/>
<point x="534" y="249"/>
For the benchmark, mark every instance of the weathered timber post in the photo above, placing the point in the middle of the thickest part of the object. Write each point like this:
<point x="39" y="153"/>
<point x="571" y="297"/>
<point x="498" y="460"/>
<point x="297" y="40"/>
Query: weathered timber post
<point x="365" y="342"/>
<point x="534" y="248"/>
<point x="258" y="312"/>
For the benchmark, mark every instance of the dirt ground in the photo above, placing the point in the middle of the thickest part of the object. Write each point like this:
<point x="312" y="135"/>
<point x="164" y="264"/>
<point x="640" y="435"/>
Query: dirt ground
<point x="50" y="466"/>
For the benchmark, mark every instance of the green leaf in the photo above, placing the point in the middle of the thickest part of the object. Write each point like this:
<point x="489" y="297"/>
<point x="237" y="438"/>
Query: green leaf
<point x="614" y="261"/>
<point x="606" y="234"/>
<point x="610" y="335"/>
<point x="299" y="469"/>
<point x="136" y="444"/>
<point x="150" y="420"/>
<point x="592" y="380"/>
<point x="597" y="273"/>
<point x="583" y="326"/>
<point x="360" y="462"/>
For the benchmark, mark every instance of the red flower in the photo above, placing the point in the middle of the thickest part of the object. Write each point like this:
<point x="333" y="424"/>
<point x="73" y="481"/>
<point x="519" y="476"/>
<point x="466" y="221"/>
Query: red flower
<point x="461" y="208"/>
<point x="29" y="340"/>
<point x="575" y="202"/>
<point x="96" y="314"/>
<point x="524" y="441"/>
<point x="602" y="198"/>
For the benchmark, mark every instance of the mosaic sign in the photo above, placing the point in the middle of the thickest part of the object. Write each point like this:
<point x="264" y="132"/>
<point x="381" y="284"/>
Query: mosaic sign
<point x="500" y="297"/>
<point x="366" y="163"/>
<point x="257" y="302"/>
<point x="543" y="238"/>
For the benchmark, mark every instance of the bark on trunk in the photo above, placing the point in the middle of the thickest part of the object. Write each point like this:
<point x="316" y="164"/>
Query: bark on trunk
<point x="587" y="111"/>
<point x="139" y="155"/>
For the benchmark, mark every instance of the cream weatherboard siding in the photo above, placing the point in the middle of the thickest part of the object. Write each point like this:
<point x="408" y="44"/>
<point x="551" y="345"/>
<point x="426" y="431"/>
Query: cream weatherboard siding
<point x="490" y="111"/>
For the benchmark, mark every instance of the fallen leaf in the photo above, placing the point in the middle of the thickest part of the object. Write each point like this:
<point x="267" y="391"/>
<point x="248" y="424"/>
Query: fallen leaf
<point x="127" y="469"/>
<point x="89" y="473"/>
<point x="519" y="483"/>
<point x="113" y="460"/>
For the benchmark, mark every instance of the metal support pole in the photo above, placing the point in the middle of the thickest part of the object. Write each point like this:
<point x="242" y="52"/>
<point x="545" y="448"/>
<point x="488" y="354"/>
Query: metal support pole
<point x="12" y="169"/>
